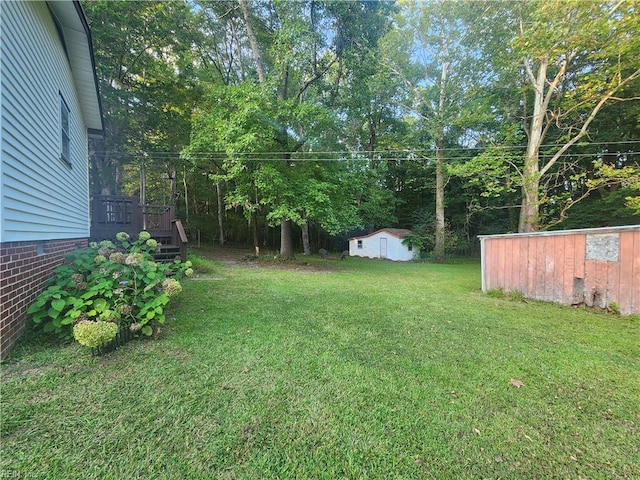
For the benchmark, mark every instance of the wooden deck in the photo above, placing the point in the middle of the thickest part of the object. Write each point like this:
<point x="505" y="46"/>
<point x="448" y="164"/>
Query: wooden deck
<point x="112" y="214"/>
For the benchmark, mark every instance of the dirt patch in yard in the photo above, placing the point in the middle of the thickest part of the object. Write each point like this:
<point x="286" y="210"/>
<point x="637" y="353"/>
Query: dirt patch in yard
<point x="238" y="256"/>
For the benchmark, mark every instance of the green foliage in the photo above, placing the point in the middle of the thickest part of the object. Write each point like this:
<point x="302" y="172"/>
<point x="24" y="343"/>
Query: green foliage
<point x="512" y="295"/>
<point x="634" y="204"/>
<point x="265" y="156"/>
<point x="94" y="334"/>
<point x="604" y="207"/>
<point x="614" y="308"/>
<point x="145" y="67"/>
<point x="628" y="176"/>
<point x="490" y="174"/>
<point x="109" y="282"/>
<point x="340" y="79"/>
<point x="423" y="236"/>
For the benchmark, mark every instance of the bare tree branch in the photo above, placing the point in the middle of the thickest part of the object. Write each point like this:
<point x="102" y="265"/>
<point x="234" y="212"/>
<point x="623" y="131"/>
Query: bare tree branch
<point x="583" y="130"/>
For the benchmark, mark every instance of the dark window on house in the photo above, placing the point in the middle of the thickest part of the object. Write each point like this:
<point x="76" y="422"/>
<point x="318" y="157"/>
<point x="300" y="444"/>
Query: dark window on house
<point x="65" y="138"/>
<point x="410" y="247"/>
<point x="359" y="243"/>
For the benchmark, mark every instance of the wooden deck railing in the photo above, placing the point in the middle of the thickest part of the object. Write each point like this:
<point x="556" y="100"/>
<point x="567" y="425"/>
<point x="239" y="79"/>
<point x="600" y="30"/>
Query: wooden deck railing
<point x="157" y="217"/>
<point x="179" y="238"/>
<point x="111" y="214"/>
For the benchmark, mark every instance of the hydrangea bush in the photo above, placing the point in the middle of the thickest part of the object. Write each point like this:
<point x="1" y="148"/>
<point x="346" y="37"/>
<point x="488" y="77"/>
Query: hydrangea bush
<point x="94" y="334"/>
<point x="113" y="282"/>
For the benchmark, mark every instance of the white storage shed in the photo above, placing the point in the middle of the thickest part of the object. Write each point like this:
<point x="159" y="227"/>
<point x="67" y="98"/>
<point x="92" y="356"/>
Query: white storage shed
<point x="384" y="243"/>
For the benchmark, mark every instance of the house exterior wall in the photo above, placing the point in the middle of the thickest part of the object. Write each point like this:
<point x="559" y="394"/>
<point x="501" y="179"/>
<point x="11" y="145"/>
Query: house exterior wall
<point x="373" y="247"/>
<point x="44" y="200"/>
<point x="594" y="267"/>
<point x="43" y="197"/>
<point x="24" y="266"/>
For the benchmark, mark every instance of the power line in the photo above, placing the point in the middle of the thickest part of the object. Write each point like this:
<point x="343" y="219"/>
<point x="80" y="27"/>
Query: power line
<point x="270" y="157"/>
<point x="389" y="155"/>
<point x="219" y="154"/>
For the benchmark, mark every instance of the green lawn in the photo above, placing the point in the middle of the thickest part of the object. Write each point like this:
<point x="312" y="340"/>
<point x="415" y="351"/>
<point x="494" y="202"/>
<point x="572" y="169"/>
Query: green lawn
<point x="330" y="369"/>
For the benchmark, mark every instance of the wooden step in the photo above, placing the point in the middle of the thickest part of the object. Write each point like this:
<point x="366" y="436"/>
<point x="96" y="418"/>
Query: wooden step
<point x="167" y="254"/>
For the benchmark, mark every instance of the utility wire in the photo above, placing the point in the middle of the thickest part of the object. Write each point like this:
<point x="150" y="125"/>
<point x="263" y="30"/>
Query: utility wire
<point x="267" y="157"/>
<point x="394" y="154"/>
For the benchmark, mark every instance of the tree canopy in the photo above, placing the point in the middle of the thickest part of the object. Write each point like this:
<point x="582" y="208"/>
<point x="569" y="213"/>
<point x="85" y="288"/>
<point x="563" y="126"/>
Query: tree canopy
<point x="293" y="125"/>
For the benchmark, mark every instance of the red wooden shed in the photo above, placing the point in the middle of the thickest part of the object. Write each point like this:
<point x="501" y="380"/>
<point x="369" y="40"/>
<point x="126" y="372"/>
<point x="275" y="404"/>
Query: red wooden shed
<point x="594" y="267"/>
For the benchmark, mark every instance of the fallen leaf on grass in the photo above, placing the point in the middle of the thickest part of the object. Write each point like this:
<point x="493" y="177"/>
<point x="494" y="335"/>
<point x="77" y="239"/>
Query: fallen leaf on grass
<point x="476" y="431"/>
<point x="245" y="370"/>
<point x="516" y="383"/>
<point x="519" y="431"/>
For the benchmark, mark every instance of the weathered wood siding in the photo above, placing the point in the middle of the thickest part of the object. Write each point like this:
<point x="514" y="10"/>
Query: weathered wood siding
<point x="594" y="267"/>
<point x="42" y="197"/>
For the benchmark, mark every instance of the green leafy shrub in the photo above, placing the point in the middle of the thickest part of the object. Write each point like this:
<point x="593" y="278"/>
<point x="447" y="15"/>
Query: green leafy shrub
<point x="110" y="282"/>
<point x="94" y="334"/>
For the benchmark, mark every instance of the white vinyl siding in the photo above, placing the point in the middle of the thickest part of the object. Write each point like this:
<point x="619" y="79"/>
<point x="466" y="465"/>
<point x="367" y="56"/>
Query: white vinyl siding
<point x="42" y="198"/>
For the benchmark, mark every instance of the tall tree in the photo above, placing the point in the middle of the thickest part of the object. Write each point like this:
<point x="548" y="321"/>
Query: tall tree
<point x="576" y="58"/>
<point x="259" y="146"/>
<point x="145" y="67"/>
<point x="300" y="56"/>
<point x="435" y="55"/>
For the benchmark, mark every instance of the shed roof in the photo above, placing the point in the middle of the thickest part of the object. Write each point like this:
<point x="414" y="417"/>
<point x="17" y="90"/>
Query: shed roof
<point x="394" y="232"/>
<point x="77" y="37"/>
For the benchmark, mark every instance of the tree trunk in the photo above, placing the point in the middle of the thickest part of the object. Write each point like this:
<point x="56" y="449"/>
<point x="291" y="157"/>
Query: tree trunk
<point x="252" y="39"/>
<point x="143" y="192"/>
<point x="371" y="142"/>
<point x="529" y="212"/>
<point x="283" y="88"/>
<point x="186" y="195"/>
<point x="117" y="182"/>
<point x="103" y="169"/>
<point x="306" y="244"/>
<point x="286" y="245"/>
<point x="173" y="185"/>
<point x="254" y="231"/>
<point x="439" y="250"/>
<point x="220" y="212"/>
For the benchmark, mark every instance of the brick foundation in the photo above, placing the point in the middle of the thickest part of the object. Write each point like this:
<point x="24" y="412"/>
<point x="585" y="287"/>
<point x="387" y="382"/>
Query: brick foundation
<point x="24" y="267"/>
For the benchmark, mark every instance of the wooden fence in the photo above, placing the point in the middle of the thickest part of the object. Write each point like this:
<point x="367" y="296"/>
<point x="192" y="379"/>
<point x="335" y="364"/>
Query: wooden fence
<point x="597" y="267"/>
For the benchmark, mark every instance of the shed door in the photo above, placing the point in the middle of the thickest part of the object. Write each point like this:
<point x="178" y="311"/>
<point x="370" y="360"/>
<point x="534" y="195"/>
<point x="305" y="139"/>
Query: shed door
<point x="383" y="248"/>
